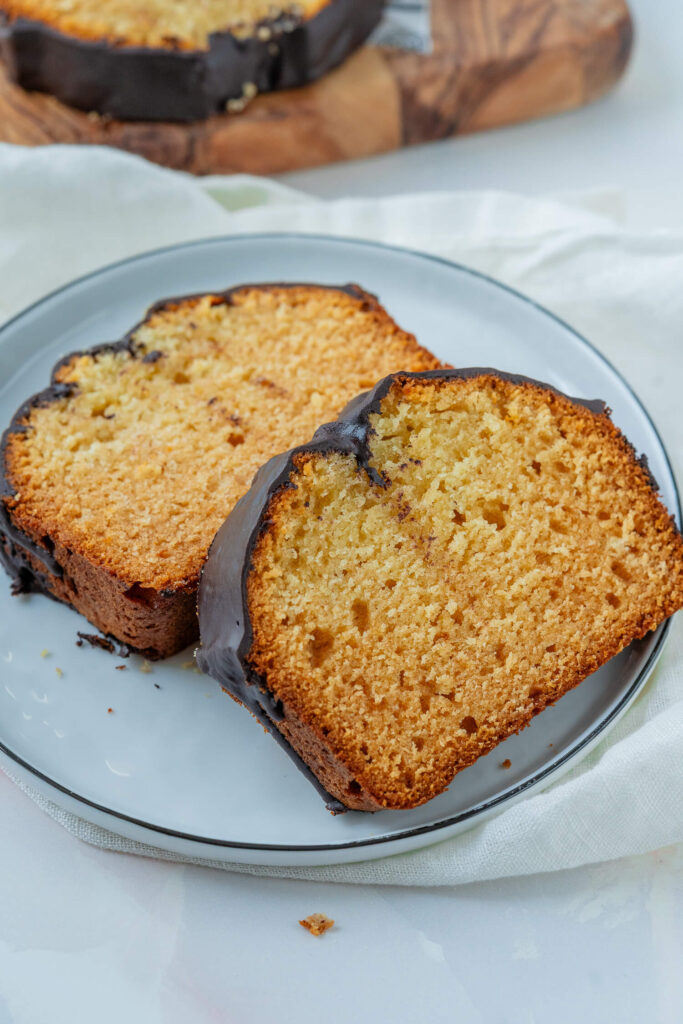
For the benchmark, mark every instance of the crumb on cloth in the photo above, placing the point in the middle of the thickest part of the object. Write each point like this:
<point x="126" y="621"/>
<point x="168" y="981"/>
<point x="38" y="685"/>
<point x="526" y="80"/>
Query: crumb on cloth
<point x="317" y="924"/>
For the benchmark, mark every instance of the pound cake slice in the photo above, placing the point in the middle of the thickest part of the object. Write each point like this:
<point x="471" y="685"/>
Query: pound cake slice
<point x="455" y="553"/>
<point x="115" y="479"/>
<point x="176" y="61"/>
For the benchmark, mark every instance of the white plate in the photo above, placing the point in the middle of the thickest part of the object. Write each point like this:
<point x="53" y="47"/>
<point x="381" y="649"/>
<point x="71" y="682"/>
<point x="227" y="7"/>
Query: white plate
<point x="179" y="765"/>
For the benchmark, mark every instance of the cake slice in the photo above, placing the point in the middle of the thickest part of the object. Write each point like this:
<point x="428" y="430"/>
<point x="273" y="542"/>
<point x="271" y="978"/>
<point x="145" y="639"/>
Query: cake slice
<point x="455" y="553"/>
<point x="155" y="60"/>
<point x="115" y="479"/>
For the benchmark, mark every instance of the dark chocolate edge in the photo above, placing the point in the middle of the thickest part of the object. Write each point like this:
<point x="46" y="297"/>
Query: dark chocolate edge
<point x="13" y="541"/>
<point x="224" y="647"/>
<point x="156" y="84"/>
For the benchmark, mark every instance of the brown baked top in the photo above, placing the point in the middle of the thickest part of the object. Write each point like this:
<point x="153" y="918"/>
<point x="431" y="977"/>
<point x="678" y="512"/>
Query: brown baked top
<point x="181" y="24"/>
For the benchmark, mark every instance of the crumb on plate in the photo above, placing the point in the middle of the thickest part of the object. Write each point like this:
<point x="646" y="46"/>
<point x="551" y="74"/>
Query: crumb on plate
<point x="317" y="924"/>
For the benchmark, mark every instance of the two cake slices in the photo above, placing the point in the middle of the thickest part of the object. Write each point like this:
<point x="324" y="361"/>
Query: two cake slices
<point x="391" y="598"/>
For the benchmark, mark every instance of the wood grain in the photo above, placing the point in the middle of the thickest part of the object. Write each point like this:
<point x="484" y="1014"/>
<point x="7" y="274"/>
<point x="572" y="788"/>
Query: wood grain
<point x="494" y="62"/>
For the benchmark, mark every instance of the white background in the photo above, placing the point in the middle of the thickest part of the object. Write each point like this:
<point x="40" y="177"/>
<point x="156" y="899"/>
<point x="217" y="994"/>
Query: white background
<point x="599" y="944"/>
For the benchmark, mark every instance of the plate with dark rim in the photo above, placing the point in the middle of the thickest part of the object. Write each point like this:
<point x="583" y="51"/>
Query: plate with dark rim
<point x="180" y="766"/>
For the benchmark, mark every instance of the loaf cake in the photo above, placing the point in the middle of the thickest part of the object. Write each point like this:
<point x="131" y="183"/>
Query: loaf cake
<point x="114" y="480"/>
<point x="180" y="61"/>
<point x="456" y="552"/>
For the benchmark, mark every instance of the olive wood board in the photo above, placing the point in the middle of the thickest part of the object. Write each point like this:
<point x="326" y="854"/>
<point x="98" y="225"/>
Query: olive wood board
<point x="493" y="62"/>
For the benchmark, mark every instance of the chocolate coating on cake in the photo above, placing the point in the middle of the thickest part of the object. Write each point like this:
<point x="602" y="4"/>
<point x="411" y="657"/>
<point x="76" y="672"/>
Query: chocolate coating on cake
<point x="139" y="83"/>
<point x="224" y="624"/>
<point x="14" y="543"/>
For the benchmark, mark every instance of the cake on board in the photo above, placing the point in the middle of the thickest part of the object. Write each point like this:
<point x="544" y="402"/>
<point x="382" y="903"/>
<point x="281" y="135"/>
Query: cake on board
<point x="114" y="480"/>
<point x="155" y="60"/>
<point x="455" y="553"/>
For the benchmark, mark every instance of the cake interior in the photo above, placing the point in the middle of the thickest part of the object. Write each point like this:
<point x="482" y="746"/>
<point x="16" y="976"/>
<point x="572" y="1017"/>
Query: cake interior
<point x="517" y="546"/>
<point x="139" y="467"/>
<point x="184" y="24"/>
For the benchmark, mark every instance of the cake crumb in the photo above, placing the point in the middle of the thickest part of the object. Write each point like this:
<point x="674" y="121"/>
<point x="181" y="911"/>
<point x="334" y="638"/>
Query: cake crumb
<point x="110" y="711"/>
<point x="120" y="668"/>
<point x="156" y="686"/>
<point x="59" y="672"/>
<point x="95" y="641"/>
<point x="507" y="763"/>
<point x="317" y="924"/>
<point x="187" y="664"/>
<point x="146" y="667"/>
<point x="235" y="106"/>
<point x="45" y="653"/>
<point x="103" y="643"/>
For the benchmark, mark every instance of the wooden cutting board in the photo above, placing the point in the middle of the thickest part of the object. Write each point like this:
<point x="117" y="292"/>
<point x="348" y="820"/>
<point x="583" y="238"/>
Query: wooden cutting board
<point x="494" y="62"/>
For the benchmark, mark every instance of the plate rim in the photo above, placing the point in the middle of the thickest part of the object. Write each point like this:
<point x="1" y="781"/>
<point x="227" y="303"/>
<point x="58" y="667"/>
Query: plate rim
<point x="481" y="808"/>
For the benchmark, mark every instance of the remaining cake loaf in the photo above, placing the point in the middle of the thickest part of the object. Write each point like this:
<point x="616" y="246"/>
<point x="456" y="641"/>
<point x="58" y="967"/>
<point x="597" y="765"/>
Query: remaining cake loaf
<point x="115" y="479"/>
<point x="180" y="61"/>
<point x="454" y="554"/>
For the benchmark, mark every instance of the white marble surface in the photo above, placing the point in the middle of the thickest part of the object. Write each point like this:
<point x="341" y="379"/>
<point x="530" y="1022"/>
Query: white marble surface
<point x="599" y="944"/>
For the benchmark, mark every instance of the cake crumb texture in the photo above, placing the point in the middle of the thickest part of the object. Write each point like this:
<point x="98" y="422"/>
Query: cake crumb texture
<point x="407" y="629"/>
<point x="125" y="474"/>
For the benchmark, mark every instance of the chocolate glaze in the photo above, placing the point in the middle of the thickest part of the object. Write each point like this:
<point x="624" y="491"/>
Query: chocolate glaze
<point x="140" y="83"/>
<point x="14" y="543"/>
<point x="224" y="624"/>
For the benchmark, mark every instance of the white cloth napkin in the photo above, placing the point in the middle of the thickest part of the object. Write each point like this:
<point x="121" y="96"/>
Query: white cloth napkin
<point x="66" y="210"/>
